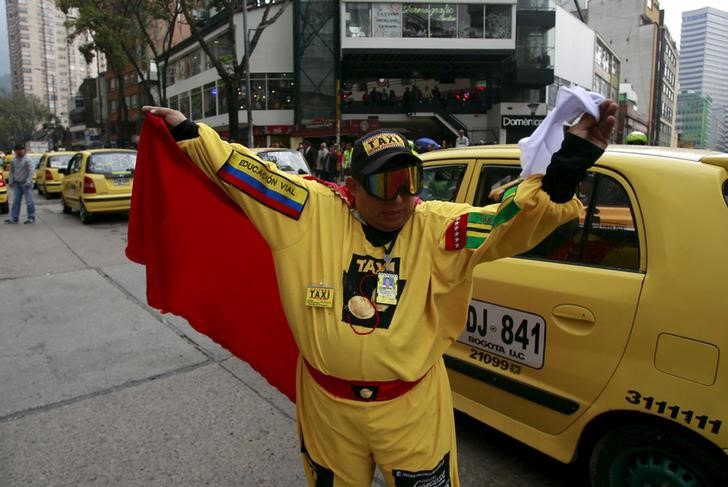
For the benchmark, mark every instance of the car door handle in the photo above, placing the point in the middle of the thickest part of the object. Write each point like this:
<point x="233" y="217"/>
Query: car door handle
<point x="574" y="312"/>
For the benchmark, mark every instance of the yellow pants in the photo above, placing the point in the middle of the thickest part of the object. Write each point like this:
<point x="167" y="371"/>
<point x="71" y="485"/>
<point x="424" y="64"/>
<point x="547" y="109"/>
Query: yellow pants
<point x="411" y="438"/>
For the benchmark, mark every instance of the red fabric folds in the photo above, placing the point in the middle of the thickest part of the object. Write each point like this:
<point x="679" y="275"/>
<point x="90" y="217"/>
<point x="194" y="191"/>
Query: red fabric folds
<point x="204" y="259"/>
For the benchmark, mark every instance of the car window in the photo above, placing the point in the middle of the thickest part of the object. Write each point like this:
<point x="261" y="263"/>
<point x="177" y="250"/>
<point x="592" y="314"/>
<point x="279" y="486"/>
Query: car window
<point x="75" y="164"/>
<point x="605" y="234"/>
<point x="491" y="178"/>
<point x="442" y="182"/>
<point x="36" y="160"/>
<point x="59" y="161"/>
<point x="289" y="161"/>
<point x="111" y="162"/>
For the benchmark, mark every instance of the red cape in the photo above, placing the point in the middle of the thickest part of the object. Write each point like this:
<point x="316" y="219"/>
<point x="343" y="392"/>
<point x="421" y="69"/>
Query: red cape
<point x="204" y="259"/>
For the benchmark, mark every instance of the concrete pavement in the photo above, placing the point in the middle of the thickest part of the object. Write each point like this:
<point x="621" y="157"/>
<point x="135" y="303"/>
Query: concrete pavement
<point x="96" y="388"/>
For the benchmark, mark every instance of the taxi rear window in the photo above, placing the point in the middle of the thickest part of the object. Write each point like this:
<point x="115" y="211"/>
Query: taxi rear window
<point x="111" y="163"/>
<point x="59" y="161"/>
<point x="725" y="191"/>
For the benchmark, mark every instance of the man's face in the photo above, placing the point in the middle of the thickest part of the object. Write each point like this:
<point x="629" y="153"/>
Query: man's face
<point x="380" y="214"/>
<point x="20" y="152"/>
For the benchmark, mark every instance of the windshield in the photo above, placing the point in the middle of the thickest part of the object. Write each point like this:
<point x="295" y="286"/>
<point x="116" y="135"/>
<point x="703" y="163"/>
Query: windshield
<point x="111" y="162"/>
<point x="59" y="161"/>
<point x="286" y="160"/>
<point x="36" y="159"/>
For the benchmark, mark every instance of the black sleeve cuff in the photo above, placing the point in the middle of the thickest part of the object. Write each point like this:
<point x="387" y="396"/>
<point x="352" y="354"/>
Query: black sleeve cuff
<point x="568" y="167"/>
<point x="185" y="130"/>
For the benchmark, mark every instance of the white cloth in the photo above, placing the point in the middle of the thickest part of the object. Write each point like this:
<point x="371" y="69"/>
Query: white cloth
<point x="571" y="103"/>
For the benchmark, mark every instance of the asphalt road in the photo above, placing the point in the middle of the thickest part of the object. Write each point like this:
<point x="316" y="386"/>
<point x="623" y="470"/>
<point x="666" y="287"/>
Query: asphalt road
<point x="97" y="388"/>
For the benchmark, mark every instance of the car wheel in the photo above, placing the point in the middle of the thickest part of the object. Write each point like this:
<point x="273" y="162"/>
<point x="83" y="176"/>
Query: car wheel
<point x="40" y="190"/>
<point x="84" y="215"/>
<point x="4" y="207"/>
<point x="645" y="455"/>
<point x="66" y="208"/>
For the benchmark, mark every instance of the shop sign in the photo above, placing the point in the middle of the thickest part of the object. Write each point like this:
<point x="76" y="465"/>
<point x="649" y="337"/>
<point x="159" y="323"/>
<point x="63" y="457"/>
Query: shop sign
<point x="525" y="121"/>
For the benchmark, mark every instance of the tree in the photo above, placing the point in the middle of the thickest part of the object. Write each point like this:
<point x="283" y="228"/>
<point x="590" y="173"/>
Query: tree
<point x="127" y="32"/>
<point x="232" y="71"/>
<point x="22" y="118"/>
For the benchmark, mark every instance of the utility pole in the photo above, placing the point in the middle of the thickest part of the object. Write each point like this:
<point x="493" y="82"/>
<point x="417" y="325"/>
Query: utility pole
<point x="246" y="66"/>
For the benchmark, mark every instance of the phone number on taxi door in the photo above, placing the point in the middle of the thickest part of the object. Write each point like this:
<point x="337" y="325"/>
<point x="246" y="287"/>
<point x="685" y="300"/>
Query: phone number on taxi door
<point x="497" y="362"/>
<point x="674" y="412"/>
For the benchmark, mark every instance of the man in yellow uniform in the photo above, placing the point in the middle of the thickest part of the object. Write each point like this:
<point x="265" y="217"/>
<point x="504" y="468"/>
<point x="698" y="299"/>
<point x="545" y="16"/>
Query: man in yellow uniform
<point x="375" y="285"/>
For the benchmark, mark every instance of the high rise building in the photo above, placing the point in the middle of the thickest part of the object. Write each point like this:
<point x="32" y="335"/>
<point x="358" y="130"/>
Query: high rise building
<point x="649" y="58"/>
<point x="42" y="61"/>
<point x="704" y="65"/>
<point x="693" y="119"/>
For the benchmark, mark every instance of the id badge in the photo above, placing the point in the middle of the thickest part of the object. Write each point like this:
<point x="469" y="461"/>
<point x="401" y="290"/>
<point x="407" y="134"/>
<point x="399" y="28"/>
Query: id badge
<point x="387" y="288"/>
<point x="320" y="296"/>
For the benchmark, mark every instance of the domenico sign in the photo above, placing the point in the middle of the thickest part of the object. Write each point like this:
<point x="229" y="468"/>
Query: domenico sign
<point x="526" y="121"/>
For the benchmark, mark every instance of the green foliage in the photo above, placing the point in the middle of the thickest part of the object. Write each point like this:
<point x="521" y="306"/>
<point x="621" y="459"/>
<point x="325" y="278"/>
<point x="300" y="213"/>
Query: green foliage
<point x="22" y="118"/>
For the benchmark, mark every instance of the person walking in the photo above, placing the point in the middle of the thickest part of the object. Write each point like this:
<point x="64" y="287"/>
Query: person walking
<point x="21" y="183"/>
<point x="321" y="156"/>
<point x="380" y="288"/>
<point x="462" y="140"/>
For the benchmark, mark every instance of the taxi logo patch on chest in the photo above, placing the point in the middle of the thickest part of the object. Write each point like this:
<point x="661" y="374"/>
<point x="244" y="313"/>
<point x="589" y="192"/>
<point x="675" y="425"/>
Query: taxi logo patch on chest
<point x="468" y="231"/>
<point x="272" y="189"/>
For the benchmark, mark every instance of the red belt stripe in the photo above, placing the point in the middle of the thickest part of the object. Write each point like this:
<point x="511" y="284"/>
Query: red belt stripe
<point x="361" y="391"/>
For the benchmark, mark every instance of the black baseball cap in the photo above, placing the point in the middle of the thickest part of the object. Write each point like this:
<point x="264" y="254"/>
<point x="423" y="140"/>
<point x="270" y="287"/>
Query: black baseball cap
<point x="372" y="152"/>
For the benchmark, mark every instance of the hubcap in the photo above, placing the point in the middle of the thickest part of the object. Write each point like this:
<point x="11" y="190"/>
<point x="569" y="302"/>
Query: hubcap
<point x="649" y="468"/>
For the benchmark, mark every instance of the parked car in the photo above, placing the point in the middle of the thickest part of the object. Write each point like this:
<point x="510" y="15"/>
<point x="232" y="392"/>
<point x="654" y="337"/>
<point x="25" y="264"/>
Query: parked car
<point x="36" y="157"/>
<point x="98" y="181"/>
<point x="603" y="344"/>
<point x="48" y="179"/>
<point x="287" y="160"/>
<point x="4" y="205"/>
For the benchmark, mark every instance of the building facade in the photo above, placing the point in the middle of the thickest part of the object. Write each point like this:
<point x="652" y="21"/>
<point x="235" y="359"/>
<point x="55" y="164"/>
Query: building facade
<point x="649" y="59"/>
<point x="694" y="119"/>
<point x="42" y="62"/>
<point x="704" y="66"/>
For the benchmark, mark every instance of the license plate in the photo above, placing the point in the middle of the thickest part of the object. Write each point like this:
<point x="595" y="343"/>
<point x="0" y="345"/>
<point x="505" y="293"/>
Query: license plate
<point x="121" y="181"/>
<point x="510" y="333"/>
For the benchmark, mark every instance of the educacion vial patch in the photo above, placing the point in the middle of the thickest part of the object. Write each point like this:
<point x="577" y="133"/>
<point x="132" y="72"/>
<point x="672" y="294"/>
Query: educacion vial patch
<point x="468" y="231"/>
<point x="271" y="189"/>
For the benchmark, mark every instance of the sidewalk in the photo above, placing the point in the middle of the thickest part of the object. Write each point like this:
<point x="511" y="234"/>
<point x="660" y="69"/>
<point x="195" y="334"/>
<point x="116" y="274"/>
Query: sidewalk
<point x="96" y="388"/>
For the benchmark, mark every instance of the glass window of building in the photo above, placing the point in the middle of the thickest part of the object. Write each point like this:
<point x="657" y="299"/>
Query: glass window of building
<point x="196" y="103"/>
<point x="281" y="90"/>
<point x="470" y="21"/>
<point x="184" y="103"/>
<point x="222" y="107"/>
<point x="196" y="62"/>
<point x="415" y="17"/>
<point x="357" y="20"/>
<point x="443" y="20"/>
<point x="386" y="20"/>
<point x="210" y="100"/>
<point x="258" y="92"/>
<point x="498" y="21"/>
<point x="174" y="102"/>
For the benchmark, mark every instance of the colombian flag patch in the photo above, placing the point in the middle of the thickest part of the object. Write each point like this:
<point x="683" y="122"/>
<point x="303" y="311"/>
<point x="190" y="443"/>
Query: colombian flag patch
<point x="468" y="231"/>
<point x="272" y="189"/>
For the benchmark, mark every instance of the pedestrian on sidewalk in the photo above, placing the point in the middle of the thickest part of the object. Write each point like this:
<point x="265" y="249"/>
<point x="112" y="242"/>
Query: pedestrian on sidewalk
<point x="21" y="183"/>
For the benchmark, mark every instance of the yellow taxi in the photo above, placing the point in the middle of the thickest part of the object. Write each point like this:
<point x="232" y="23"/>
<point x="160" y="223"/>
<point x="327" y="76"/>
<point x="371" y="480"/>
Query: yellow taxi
<point x="603" y="343"/>
<point x="6" y="166"/>
<point x="36" y="157"/>
<point x="48" y="179"/>
<point x="4" y="205"/>
<point x="98" y="181"/>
